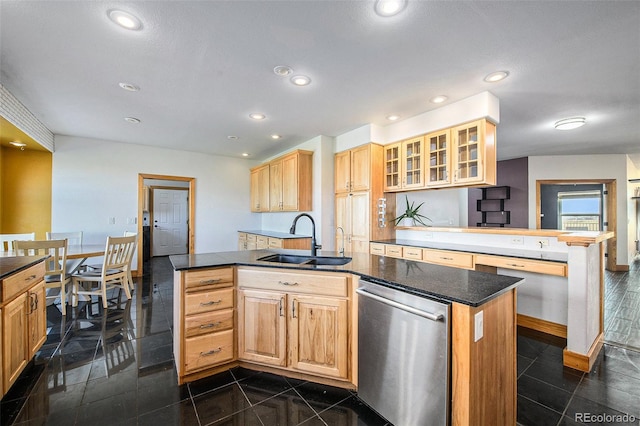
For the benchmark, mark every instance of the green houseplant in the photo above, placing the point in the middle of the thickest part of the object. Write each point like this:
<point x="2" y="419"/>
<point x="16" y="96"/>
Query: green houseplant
<point x="412" y="212"/>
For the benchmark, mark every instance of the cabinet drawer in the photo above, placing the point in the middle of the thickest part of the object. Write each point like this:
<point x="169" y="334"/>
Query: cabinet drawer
<point x="204" y="351"/>
<point x="376" y="248"/>
<point x="412" y="253"/>
<point x="275" y="243"/>
<point x="530" y="265"/>
<point x="393" y="251"/>
<point x="262" y="242"/>
<point x="221" y="277"/>
<point x="242" y="236"/>
<point x="209" y="322"/>
<point x="252" y="238"/>
<point x="20" y="281"/>
<point x="448" y="258"/>
<point x="206" y="301"/>
<point x="319" y="284"/>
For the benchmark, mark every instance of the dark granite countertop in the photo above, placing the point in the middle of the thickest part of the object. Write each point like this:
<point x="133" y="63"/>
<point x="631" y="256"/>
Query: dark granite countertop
<point x="11" y="265"/>
<point x="442" y="283"/>
<point x="276" y="234"/>
<point x="546" y="254"/>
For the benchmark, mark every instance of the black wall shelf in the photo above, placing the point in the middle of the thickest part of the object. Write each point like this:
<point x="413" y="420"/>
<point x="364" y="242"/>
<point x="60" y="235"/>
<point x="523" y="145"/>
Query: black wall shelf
<point x="491" y="205"/>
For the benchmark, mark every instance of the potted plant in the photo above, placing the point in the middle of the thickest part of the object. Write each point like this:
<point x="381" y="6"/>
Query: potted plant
<point x="412" y="215"/>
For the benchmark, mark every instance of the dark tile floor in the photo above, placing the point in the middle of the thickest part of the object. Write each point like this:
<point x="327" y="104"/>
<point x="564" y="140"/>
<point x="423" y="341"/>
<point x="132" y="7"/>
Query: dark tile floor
<point x="117" y="369"/>
<point x="622" y="307"/>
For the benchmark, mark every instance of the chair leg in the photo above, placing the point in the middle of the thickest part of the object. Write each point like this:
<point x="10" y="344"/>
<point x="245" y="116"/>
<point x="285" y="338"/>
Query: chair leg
<point x="104" y="294"/>
<point x="74" y="292"/>
<point x="63" y="298"/>
<point x="125" y="285"/>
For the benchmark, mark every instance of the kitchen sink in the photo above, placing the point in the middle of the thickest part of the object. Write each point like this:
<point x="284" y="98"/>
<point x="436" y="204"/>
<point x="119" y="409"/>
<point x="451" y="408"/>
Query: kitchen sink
<point x="306" y="260"/>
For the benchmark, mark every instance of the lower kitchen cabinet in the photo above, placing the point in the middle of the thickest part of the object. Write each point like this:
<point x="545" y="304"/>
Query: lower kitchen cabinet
<point x="15" y="335"/>
<point x="249" y="241"/>
<point x="294" y="328"/>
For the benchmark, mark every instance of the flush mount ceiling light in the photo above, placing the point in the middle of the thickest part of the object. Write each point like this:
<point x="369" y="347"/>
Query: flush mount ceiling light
<point x="125" y="19"/>
<point x="388" y="8"/>
<point x="496" y="76"/>
<point x="275" y="136"/>
<point x="232" y="137"/>
<point x="132" y="120"/>
<point x="257" y="116"/>
<point x="393" y="117"/>
<point x="129" y="87"/>
<point x="18" y="144"/>
<point x="570" y="123"/>
<point x="438" y="99"/>
<point x="245" y="154"/>
<point x="300" y="80"/>
<point x="282" y="70"/>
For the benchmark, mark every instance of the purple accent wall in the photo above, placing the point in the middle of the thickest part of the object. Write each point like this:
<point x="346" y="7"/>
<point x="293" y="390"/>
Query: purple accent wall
<point x="513" y="173"/>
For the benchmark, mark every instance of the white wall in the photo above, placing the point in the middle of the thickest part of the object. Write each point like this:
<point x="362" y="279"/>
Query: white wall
<point x="96" y="179"/>
<point x="586" y="167"/>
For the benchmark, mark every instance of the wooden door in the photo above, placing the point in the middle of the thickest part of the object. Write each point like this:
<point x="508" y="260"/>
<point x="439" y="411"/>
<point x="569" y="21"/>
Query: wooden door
<point x="318" y="331"/>
<point x="342" y="219"/>
<point x="361" y="168"/>
<point x="360" y="221"/>
<point x="262" y="327"/>
<point x="392" y="174"/>
<point x="37" y="318"/>
<point x="342" y="172"/>
<point x="275" y="186"/>
<point x="413" y="163"/>
<point x="290" y="183"/>
<point x="438" y="168"/>
<point x="15" y="338"/>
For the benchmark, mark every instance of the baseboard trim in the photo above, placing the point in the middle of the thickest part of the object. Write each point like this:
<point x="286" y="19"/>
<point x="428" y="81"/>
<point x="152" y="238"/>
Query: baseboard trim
<point x="583" y="362"/>
<point x="622" y="268"/>
<point x="543" y="326"/>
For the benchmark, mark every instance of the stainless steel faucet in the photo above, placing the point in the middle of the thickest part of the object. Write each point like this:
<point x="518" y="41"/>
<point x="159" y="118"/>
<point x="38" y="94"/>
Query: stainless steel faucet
<point x="314" y="246"/>
<point x="341" y="251"/>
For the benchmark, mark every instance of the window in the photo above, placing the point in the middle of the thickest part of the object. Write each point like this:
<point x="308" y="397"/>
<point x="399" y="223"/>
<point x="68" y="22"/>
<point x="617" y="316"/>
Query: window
<point x="580" y="210"/>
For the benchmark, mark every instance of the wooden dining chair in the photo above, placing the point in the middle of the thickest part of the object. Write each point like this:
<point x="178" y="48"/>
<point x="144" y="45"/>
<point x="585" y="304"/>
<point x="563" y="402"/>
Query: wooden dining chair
<point x="54" y="275"/>
<point x="96" y="268"/>
<point x="73" y="238"/>
<point x="6" y="240"/>
<point x="112" y="274"/>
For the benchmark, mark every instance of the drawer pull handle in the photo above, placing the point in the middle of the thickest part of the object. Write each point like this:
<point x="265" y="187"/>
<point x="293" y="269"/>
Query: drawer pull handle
<point x="446" y="258"/>
<point x="211" y="352"/>
<point x="515" y="265"/>
<point x="210" y="303"/>
<point x="211" y="325"/>
<point x="287" y="283"/>
<point x="211" y="281"/>
<point x="30" y="277"/>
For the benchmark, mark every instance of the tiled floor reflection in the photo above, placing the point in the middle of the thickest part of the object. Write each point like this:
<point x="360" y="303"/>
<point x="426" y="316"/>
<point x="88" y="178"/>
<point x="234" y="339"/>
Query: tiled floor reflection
<point x="115" y="367"/>
<point x="622" y="307"/>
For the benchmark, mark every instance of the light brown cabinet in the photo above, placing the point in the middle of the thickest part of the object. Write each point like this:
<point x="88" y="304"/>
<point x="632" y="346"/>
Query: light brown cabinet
<point x="203" y="320"/>
<point x="249" y="241"/>
<point x="23" y="321"/>
<point x="474" y="153"/>
<point x="295" y="321"/>
<point x="404" y="165"/>
<point x="438" y="145"/>
<point x="358" y="187"/>
<point x="260" y="188"/>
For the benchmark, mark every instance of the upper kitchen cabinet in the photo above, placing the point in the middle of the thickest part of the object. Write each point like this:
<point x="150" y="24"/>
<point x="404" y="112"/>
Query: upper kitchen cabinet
<point x="439" y="158"/>
<point x="284" y="184"/>
<point x="260" y="188"/>
<point x="474" y="147"/>
<point x="404" y="165"/>
<point x="353" y="170"/>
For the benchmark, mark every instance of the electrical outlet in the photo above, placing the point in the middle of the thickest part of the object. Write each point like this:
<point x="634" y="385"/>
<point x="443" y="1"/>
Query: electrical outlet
<point x="478" y="326"/>
<point x="517" y="240"/>
<point x="112" y="220"/>
<point x="543" y="242"/>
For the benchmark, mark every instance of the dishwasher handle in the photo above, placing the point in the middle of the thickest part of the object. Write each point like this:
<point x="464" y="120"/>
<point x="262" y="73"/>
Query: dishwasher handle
<point x="427" y="315"/>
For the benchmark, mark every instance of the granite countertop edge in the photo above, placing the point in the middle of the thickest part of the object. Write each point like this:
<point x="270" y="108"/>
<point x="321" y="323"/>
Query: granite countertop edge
<point x="14" y="264"/>
<point x="441" y="283"/>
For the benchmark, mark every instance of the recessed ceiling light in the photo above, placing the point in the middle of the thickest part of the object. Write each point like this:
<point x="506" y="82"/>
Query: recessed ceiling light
<point x="232" y="137"/>
<point x="125" y="19"/>
<point x="283" y="70"/>
<point x="570" y="123"/>
<point x="18" y="144"/>
<point x="275" y="136"/>
<point x="245" y="154"/>
<point x="257" y="116"/>
<point x="128" y="86"/>
<point x="438" y="99"/>
<point x="300" y="80"/>
<point x="496" y="76"/>
<point x="393" y="117"/>
<point x="389" y="7"/>
<point x="132" y="120"/>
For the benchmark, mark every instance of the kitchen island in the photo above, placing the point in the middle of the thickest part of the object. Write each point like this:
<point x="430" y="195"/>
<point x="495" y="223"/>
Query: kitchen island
<point x="300" y="320"/>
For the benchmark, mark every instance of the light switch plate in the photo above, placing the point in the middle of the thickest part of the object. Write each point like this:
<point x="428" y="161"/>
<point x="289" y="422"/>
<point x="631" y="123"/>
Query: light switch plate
<point x="479" y="326"/>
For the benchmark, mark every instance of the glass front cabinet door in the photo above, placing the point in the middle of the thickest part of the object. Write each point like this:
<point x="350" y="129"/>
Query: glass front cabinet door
<point x="392" y="167"/>
<point x="439" y="168"/>
<point x="473" y="147"/>
<point x="412" y="163"/>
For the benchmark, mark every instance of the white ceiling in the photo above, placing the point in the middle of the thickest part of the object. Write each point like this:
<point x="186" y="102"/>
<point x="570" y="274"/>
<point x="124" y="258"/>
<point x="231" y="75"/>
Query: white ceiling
<point x="204" y="66"/>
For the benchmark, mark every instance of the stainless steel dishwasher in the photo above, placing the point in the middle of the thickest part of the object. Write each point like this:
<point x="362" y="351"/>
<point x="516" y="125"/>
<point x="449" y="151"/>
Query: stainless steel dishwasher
<point x="403" y="355"/>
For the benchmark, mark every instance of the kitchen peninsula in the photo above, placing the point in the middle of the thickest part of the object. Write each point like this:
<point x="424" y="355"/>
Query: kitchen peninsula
<point x="300" y="320"/>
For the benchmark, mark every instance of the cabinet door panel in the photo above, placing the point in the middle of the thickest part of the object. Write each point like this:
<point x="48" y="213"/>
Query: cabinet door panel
<point x="318" y="335"/>
<point x="342" y="221"/>
<point x="15" y="338"/>
<point x="342" y="176"/>
<point x="262" y="327"/>
<point x="37" y="318"/>
<point x="290" y="183"/>
<point x="360" y="219"/>
<point x="275" y="186"/>
<point x="360" y="168"/>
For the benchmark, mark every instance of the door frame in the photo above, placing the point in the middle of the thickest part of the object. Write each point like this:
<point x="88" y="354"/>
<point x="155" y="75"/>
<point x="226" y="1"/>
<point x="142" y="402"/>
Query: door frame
<point x="191" y="226"/>
<point x="611" y="211"/>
